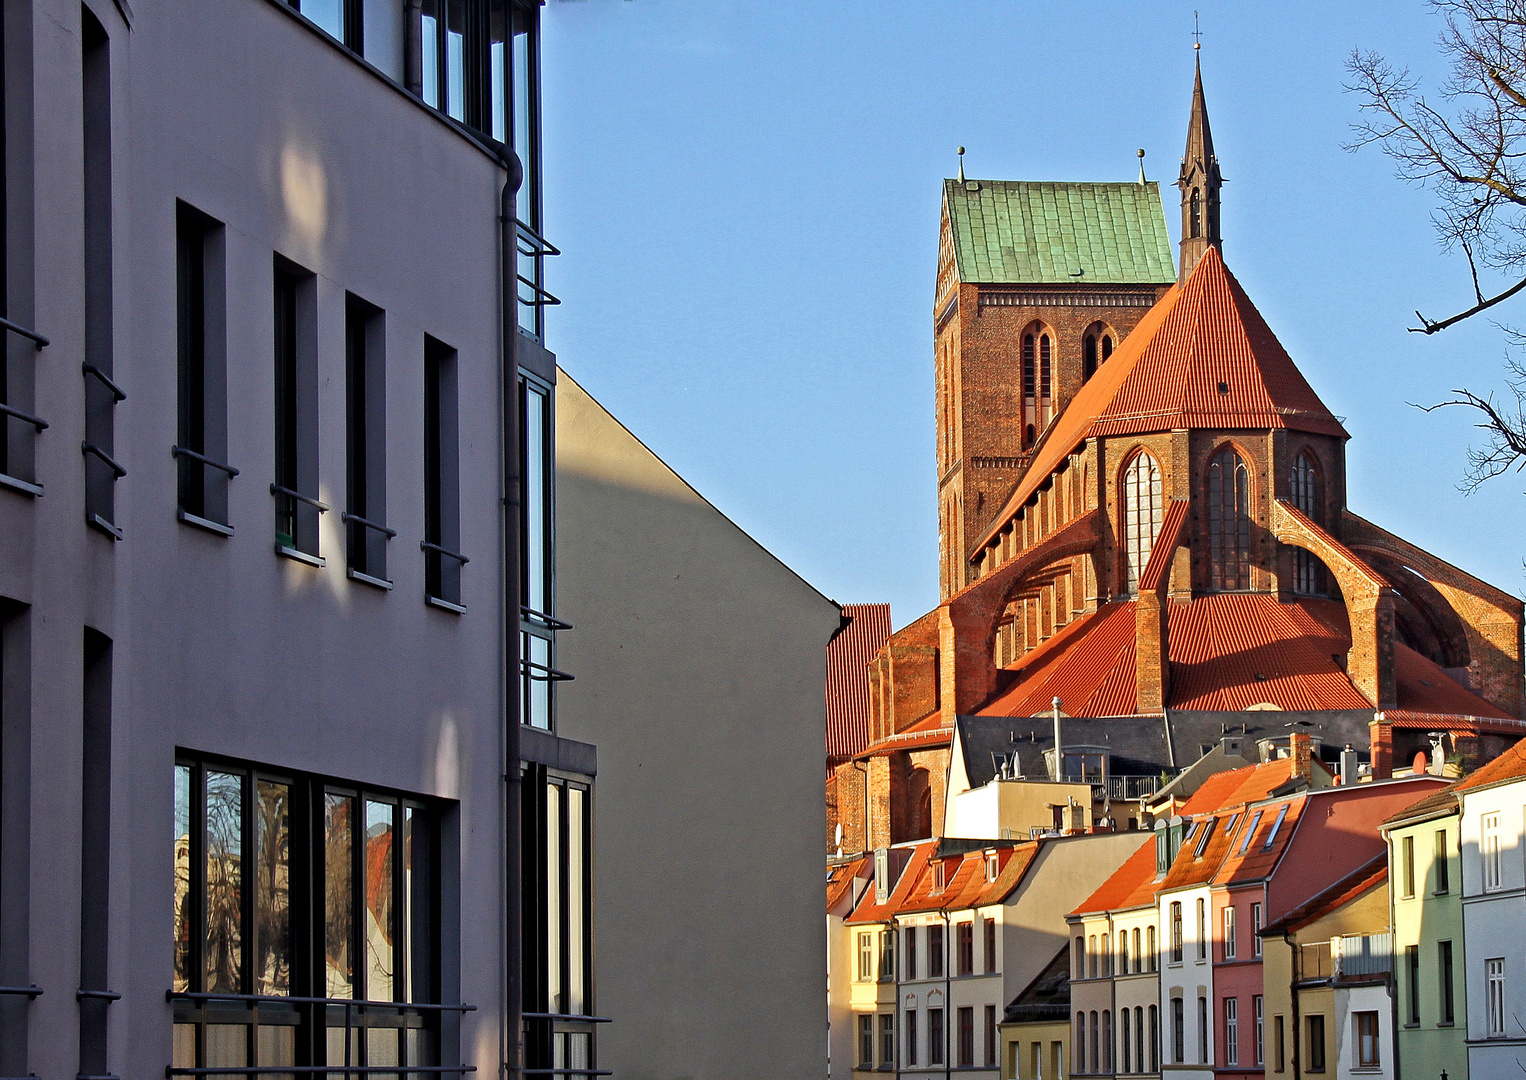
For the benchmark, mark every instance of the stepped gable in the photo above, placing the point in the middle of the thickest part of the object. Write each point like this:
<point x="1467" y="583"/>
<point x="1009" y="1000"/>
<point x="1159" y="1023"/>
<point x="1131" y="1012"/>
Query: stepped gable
<point x="1165" y="376"/>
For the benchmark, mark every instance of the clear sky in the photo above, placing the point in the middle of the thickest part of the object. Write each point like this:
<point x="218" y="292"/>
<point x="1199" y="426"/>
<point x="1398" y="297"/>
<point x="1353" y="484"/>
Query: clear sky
<point x="747" y="196"/>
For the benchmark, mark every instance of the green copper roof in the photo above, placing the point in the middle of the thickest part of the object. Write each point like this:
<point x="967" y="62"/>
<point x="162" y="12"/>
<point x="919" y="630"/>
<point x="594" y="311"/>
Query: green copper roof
<point x="1018" y="231"/>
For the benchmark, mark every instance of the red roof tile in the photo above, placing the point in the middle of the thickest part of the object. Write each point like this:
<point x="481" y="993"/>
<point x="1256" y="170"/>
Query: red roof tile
<point x="1229" y="651"/>
<point x="871" y="910"/>
<point x="840" y="879"/>
<point x="1511" y="765"/>
<point x="848" y="656"/>
<point x="1164" y="548"/>
<point x="1203" y="334"/>
<point x="928" y="731"/>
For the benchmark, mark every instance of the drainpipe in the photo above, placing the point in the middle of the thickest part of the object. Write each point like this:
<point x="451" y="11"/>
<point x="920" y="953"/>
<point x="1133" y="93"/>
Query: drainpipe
<point x="948" y="999"/>
<point x="513" y="1003"/>
<point x="1293" y="987"/>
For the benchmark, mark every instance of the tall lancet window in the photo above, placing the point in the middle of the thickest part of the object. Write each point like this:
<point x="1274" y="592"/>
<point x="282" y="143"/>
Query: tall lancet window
<point x="1141" y="515"/>
<point x="1304" y="486"/>
<point x="1228" y="521"/>
<point x="1197" y="213"/>
<point x="1038" y="383"/>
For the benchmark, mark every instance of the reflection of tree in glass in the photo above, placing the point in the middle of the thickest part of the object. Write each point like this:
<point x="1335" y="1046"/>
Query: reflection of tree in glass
<point x="339" y="897"/>
<point x="378" y="925"/>
<point x="182" y="979"/>
<point x="272" y="906"/>
<point x="225" y="849"/>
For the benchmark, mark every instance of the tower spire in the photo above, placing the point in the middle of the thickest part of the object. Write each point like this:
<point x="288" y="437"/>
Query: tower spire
<point x="1199" y="180"/>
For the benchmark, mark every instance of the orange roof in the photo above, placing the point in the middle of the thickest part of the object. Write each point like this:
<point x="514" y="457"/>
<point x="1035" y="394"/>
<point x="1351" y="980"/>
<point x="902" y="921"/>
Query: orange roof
<point x="848" y="656"/>
<point x="1229" y="651"/>
<point x="1258" y="860"/>
<point x="1511" y="765"/>
<point x="871" y="910"/>
<point x="1189" y="868"/>
<point x="965" y="884"/>
<point x="840" y="879"/>
<point x="928" y="731"/>
<point x="1132" y="885"/>
<point x="1202" y="335"/>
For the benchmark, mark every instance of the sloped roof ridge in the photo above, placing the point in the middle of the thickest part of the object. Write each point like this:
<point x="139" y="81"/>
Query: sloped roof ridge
<point x="1371" y="873"/>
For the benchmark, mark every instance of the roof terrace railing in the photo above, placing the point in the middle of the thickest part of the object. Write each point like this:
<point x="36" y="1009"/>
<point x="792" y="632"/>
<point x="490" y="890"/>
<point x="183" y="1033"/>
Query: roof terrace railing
<point x="1360" y="956"/>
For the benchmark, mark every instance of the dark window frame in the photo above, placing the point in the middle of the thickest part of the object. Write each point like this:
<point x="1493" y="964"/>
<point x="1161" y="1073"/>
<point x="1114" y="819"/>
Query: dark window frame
<point x="294" y="306"/>
<point x="365" y="516"/>
<point x="1314" y="1029"/>
<point x="201" y="449"/>
<point x="443" y="561"/>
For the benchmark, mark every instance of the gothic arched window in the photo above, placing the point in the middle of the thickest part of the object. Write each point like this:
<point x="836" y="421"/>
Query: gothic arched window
<point x="1088" y="357"/>
<point x="1038" y="382"/>
<point x="1107" y="346"/>
<point x="1197" y="213"/>
<point x="1228" y="521"/>
<point x="1141" y="515"/>
<point x="1304" y="486"/>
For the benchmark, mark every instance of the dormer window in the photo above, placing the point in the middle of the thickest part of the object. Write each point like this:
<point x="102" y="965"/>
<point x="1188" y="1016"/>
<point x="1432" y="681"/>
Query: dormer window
<point x="992" y="866"/>
<point x="938" y="877"/>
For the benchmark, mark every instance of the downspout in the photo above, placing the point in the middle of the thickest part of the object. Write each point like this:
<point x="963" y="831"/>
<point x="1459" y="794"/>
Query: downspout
<point x="948" y="998"/>
<point x="1294" y="955"/>
<point x="513" y="1002"/>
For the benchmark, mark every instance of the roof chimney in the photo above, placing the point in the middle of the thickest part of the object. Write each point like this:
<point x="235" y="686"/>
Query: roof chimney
<point x="1302" y="753"/>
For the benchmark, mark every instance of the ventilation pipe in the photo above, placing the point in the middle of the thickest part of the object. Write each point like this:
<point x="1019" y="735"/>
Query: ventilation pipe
<point x="1059" y="756"/>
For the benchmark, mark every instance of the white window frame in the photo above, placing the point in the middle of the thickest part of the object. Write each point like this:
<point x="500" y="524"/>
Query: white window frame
<point x="1259" y="1009"/>
<point x="1255" y="929"/>
<point x="1231" y="1031"/>
<point x="1230" y="950"/>
<point x="1202" y="928"/>
<point x="1489" y="851"/>
<point x="1494" y="996"/>
<point x="865" y="956"/>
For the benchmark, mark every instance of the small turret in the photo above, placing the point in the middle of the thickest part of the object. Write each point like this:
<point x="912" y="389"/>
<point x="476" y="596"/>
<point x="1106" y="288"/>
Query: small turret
<point x="1199" y="181"/>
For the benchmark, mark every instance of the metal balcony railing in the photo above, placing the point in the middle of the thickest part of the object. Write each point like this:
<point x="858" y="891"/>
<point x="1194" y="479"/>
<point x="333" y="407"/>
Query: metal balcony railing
<point x="1362" y="956"/>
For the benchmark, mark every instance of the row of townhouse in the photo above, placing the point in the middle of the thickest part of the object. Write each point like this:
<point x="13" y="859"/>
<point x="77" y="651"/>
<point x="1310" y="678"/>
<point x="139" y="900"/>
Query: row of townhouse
<point x="1457" y="863"/>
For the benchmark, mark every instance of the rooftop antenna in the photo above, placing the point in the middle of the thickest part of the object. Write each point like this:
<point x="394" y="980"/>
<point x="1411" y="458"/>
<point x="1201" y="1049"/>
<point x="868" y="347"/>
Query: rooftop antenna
<point x="1141" y="165"/>
<point x="961" y="164"/>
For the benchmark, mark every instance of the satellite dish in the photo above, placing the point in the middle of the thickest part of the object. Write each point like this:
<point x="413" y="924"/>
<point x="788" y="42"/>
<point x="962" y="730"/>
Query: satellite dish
<point x="837" y="840"/>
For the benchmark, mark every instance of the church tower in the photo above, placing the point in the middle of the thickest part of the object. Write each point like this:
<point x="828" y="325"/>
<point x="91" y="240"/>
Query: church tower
<point x="1199" y="182"/>
<point x="1038" y="283"/>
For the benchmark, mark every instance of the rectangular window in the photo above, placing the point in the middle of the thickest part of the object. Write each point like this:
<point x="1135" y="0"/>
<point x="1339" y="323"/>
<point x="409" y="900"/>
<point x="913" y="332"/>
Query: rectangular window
<point x="463" y="61"/>
<point x="340" y="19"/>
<point x="1080" y="1052"/>
<point x="1202" y="1031"/>
<point x="1279" y="1036"/>
<point x="1150" y="950"/>
<point x="1229" y="933"/>
<point x="1178" y="1031"/>
<point x="1444" y="977"/>
<point x="1443" y="864"/>
<point x="1255" y="929"/>
<point x="1231" y="1031"/>
<point x="887" y="1040"/>
<point x="934" y="952"/>
<point x="201" y="447"/>
<point x="101" y="393"/>
<point x="1176" y="931"/>
<point x="442" y="493"/>
<point x="887" y="955"/>
<point x="557" y="868"/>
<point x="259" y="858"/>
<point x="1412" y="970"/>
<point x="935" y="1043"/>
<point x="865" y="956"/>
<point x="1366" y="1032"/>
<point x="537" y="548"/>
<point x="95" y="851"/>
<point x="1407" y="849"/>
<point x="965" y="935"/>
<point x="1489" y="849"/>
<point x="1154" y="1041"/>
<point x="296" y="413"/>
<point x="966" y="1057"/>
<point x="1091" y="955"/>
<point x="991" y="946"/>
<point x="1271" y="836"/>
<point x="366" y="442"/>
<point x="1314" y="1025"/>
<point x="1202" y="929"/>
<point x="1250" y="832"/>
<point x="910" y="953"/>
<point x="1494" y="995"/>
<point x="865" y="1041"/>
<point x="1259" y="1004"/>
<point x="911" y="1036"/>
<point x="990" y="1036"/>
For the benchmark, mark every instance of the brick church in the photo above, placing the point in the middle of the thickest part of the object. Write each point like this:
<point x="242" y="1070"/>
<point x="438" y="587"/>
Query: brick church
<point x="1142" y="517"/>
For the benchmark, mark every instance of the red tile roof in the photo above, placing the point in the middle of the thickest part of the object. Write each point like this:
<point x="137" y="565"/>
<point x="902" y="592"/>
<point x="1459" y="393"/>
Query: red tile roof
<point x="926" y="732"/>
<point x="1132" y="885"/>
<point x="848" y="656"/>
<point x="1166" y="375"/>
<point x="1229" y="651"/>
<point x="871" y="910"/>
<point x="1164" y="548"/>
<point x="1369" y="875"/>
<point x="1511" y="765"/>
<point x="965" y="884"/>
<point x="840" y="879"/>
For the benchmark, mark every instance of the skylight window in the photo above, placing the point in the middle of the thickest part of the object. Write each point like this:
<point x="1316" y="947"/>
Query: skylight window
<point x="1250" y="831"/>
<point x="1202" y="841"/>
<point x="1271" y="837"/>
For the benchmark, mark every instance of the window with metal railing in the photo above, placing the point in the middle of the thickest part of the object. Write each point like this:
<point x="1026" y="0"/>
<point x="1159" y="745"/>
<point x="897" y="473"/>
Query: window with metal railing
<point x="366" y="443"/>
<point x="201" y="447"/>
<point x="441" y="545"/>
<point x="306" y="927"/>
<point x="295" y="488"/>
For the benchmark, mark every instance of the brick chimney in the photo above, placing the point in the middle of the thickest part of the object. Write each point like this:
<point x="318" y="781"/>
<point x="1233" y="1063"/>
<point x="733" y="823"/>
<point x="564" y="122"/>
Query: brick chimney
<point x="1301" y="748"/>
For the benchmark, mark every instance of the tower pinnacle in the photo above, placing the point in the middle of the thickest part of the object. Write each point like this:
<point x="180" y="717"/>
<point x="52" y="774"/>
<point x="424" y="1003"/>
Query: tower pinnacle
<point x="1199" y="182"/>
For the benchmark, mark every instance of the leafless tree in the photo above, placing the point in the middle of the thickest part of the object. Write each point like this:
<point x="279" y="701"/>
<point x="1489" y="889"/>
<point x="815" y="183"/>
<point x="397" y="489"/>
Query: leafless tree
<point x="1469" y="147"/>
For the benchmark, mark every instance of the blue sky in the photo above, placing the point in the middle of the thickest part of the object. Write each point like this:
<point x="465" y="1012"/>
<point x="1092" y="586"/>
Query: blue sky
<point x="747" y="196"/>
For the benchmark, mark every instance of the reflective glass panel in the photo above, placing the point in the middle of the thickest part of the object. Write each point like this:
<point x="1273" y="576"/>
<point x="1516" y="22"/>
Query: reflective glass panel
<point x="380" y="929"/>
<point x="272" y="888"/>
<point x="554" y="897"/>
<point x="430" y="53"/>
<point x="455" y="59"/>
<point x="225" y="885"/>
<point x="328" y="14"/>
<point x="339" y="894"/>
<point x="184" y="921"/>
<point x="576" y="896"/>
